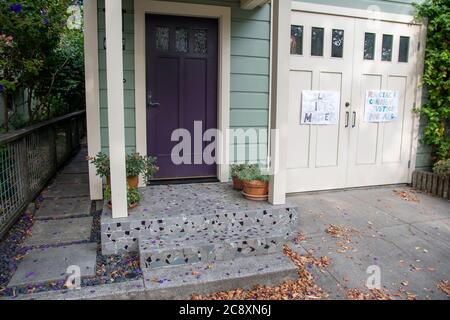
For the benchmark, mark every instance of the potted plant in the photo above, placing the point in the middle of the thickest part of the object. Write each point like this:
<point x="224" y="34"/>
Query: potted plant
<point x="136" y="165"/>
<point x="235" y="170"/>
<point x="256" y="184"/>
<point x="133" y="197"/>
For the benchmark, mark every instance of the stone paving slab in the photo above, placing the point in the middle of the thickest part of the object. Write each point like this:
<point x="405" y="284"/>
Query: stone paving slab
<point x="318" y="211"/>
<point x="71" y="178"/>
<point x="67" y="191"/>
<point x="51" y="232"/>
<point x="80" y="157"/>
<point x="386" y="200"/>
<point x="436" y="229"/>
<point x="62" y="208"/>
<point x="129" y="290"/>
<point x="76" y="167"/>
<point x="50" y="264"/>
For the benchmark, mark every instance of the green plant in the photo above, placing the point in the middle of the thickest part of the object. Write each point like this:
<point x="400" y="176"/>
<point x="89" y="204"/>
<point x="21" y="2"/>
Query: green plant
<point x="150" y="168"/>
<point x="101" y="164"/>
<point x="252" y="172"/>
<point x="133" y="195"/>
<point x="442" y="167"/>
<point x="41" y="57"/>
<point x="136" y="165"/>
<point x="436" y="76"/>
<point x="237" y="168"/>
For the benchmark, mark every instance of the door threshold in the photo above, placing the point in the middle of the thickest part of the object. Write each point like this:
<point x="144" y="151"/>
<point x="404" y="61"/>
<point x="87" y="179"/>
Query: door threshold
<point x="163" y="182"/>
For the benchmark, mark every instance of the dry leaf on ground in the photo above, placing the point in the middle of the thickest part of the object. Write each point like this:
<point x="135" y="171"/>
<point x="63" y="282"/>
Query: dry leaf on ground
<point x="299" y="238"/>
<point x="344" y="233"/>
<point x="407" y="195"/>
<point x="444" y="285"/>
<point x="372" y="294"/>
<point x="304" y="288"/>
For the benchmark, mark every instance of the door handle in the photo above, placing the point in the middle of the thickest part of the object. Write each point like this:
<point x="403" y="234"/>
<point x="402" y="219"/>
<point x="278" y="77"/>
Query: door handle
<point x="354" y="119"/>
<point x="347" y="118"/>
<point x="150" y="102"/>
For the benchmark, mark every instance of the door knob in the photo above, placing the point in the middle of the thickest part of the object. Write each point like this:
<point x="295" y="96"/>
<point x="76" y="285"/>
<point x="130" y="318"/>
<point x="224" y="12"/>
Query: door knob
<point x="347" y="118"/>
<point x="354" y="119"/>
<point x="150" y="102"/>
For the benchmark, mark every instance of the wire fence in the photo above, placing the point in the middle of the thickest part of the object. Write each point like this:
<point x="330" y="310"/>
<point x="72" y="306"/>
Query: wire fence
<point x="30" y="157"/>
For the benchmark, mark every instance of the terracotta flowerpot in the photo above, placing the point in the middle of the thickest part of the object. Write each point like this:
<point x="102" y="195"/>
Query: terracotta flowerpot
<point x="237" y="184"/>
<point x="256" y="190"/>
<point x="132" y="181"/>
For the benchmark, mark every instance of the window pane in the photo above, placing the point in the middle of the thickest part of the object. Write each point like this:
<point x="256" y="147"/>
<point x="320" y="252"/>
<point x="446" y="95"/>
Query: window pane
<point x="369" y="46"/>
<point x="386" y="53"/>
<point x="337" y="48"/>
<point x="200" y="41"/>
<point x="181" y="39"/>
<point x="317" y="42"/>
<point x="296" y="39"/>
<point x="403" y="53"/>
<point x="162" y="38"/>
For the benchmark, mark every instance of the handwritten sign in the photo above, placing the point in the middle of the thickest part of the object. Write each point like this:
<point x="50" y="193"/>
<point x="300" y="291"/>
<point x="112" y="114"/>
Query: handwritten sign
<point x="381" y="106"/>
<point x="320" y="107"/>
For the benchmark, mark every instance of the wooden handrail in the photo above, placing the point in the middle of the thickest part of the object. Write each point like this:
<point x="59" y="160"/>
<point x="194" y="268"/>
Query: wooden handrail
<point x="9" y="137"/>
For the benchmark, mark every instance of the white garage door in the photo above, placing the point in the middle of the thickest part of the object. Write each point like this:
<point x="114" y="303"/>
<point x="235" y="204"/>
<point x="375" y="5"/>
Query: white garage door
<point x="345" y="54"/>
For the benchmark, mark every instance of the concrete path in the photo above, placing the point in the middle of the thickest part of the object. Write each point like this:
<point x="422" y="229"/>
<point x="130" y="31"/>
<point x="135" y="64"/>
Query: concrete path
<point x="403" y="234"/>
<point x="61" y="234"/>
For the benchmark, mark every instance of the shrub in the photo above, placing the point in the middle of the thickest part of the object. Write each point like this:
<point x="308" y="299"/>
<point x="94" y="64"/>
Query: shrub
<point x="436" y="76"/>
<point x="136" y="165"/>
<point x="442" y="167"/>
<point x="133" y="195"/>
<point x="252" y="172"/>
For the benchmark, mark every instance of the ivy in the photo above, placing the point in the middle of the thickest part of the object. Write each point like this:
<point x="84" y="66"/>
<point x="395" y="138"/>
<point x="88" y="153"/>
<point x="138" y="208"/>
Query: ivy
<point x="436" y="110"/>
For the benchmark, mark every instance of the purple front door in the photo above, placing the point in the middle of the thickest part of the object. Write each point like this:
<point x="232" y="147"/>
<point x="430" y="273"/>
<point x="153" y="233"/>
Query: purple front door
<point x="182" y="57"/>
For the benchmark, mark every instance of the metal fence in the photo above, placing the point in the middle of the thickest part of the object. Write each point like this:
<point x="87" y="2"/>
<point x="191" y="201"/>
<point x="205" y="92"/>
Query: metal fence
<point x="30" y="157"/>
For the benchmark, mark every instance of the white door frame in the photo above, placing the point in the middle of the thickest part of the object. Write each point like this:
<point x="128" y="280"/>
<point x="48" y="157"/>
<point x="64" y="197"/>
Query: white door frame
<point x="223" y="14"/>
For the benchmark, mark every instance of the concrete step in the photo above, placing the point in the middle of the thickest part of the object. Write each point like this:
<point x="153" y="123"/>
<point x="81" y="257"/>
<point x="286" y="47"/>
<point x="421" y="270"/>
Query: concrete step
<point x="203" y="278"/>
<point x="213" y="245"/>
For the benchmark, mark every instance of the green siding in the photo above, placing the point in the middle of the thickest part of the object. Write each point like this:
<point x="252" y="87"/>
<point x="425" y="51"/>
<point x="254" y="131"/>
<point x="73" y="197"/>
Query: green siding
<point x="391" y="6"/>
<point x="250" y="65"/>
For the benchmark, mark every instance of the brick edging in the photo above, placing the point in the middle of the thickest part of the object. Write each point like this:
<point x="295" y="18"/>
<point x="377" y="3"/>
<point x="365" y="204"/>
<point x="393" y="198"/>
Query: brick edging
<point x="431" y="183"/>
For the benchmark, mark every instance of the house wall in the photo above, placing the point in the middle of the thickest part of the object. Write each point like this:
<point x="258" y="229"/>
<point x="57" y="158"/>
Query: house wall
<point x="250" y="52"/>
<point x="391" y="6"/>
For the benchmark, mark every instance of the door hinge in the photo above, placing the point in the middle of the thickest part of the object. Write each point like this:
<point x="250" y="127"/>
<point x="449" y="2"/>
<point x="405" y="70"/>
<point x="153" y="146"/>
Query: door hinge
<point x="409" y="164"/>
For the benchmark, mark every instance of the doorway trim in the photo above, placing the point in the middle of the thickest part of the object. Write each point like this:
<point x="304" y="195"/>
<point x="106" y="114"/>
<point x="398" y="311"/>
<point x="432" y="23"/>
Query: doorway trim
<point x="223" y="14"/>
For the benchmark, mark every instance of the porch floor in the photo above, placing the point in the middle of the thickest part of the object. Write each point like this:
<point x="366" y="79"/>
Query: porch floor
<point x="187" y="200"/>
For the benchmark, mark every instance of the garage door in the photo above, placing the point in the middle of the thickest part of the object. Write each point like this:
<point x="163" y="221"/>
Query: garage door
<point x="358" y="63"/>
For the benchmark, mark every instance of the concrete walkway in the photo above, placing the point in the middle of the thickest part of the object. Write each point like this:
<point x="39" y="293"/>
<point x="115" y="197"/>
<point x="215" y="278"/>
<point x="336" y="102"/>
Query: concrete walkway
<point x="61" y="235"/>
<point x="403" y="233"/>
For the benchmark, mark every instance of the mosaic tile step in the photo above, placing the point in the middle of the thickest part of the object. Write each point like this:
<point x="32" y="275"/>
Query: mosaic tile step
<point x="202" y="278"/>
<point x="121" y="237"/>
<point x="212" y="245"/>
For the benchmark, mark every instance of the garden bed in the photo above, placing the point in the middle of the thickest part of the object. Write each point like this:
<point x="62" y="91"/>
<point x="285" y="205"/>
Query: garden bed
<point x="434" y="184"/>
